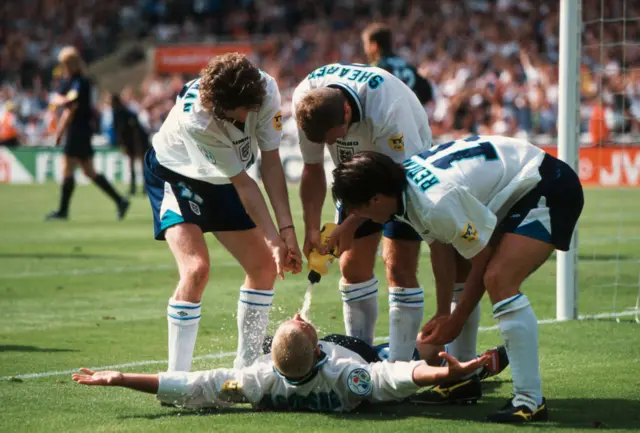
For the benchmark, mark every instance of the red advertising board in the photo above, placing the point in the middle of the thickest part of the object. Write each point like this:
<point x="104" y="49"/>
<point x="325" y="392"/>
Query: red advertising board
<point x="190" y="59"/>
<point x="615" y="166"/>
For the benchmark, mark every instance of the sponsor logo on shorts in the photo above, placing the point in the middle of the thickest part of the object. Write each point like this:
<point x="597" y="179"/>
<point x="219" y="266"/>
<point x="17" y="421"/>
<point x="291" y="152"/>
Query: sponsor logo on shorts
<point x="195" y="208"/>
<point x="469" y="233"/>
<point x="396" y="142"/>
<point x="359" y="382"/>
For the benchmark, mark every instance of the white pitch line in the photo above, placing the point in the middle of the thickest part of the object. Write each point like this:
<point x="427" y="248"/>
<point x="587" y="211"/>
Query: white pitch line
<point x="227" y="354"/>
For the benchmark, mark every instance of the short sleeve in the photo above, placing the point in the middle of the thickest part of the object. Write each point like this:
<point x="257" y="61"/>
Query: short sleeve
<point x="461" y="220"/>
<point x="212" y="157"/>
<point x="269" y="129"/>
<point x="392" y="381"/>
<point x="398" y="132"/>
<point x="214" y="388"/>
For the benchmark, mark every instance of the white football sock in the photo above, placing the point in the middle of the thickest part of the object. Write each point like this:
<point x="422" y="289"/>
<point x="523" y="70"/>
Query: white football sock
<point x="464" y="346"/>
<point x="519" y="330"/>
<point x="183" y="318"/>
<point x="360" y="309"/>
<point x="406" y="306"/>
<point x="253" y="318"/>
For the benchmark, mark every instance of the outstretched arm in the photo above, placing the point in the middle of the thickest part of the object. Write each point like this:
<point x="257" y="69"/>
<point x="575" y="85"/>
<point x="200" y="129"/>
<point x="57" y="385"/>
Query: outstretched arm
<point x="140" y="382"/>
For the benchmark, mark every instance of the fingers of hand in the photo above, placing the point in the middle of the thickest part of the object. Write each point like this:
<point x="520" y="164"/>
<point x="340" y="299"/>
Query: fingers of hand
<point x="87" y="371"/>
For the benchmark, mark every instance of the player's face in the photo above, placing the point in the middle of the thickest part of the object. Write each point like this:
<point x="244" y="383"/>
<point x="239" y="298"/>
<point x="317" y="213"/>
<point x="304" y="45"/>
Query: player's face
<point x="335" y="133"/>
<point x="306" y="327"/>
<point x="379" y="209"/>
<point x="339" y="131"/>
<point x="369" y="48"/>
<point x="238" y="114"/>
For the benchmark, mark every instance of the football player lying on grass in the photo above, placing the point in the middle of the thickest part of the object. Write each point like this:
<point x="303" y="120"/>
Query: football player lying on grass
<point x="299" y="373"/>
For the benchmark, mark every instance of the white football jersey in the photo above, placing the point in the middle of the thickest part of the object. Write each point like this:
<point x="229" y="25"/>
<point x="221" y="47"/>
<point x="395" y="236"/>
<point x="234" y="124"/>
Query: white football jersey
<point x="458" y="191"/>
<point x="342" y="380"/>
<point x="196" y="144"/>
<point x="387" y="116"/>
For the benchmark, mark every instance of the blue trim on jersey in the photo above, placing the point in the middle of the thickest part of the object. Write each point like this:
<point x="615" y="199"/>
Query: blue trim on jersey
<point x="361" y="296"/>
<point x="184" y="307"/>
<point x="255" y="303"/>
<point x="182" y="318"/>
<point x="256" y="292"/>
<point x="309" y="376"/>
<point x="355" y="97"/>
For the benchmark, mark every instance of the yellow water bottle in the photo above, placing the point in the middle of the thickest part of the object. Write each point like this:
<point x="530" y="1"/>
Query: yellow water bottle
<point x="318" y="263"/>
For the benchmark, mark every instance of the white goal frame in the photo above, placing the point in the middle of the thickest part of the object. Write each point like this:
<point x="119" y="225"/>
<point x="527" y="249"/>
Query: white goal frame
<point x="569" y="145"/>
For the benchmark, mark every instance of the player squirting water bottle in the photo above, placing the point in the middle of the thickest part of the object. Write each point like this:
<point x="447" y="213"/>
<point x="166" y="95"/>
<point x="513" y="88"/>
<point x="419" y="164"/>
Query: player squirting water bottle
<point x="318" y="265"/>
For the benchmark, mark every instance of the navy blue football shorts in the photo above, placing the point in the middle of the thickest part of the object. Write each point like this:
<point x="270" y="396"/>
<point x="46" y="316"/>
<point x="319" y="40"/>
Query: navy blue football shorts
<point x="176" y="199"/>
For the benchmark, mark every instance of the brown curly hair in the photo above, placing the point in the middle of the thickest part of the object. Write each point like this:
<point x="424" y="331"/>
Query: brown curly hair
<point x="231" y="81"/>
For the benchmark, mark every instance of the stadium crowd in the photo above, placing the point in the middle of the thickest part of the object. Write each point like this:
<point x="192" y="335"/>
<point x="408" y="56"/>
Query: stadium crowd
<point x="493" y="63"/>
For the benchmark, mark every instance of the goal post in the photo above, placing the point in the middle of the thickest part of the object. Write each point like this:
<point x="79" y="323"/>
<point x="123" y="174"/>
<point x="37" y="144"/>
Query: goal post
<point x="568" y="145"/>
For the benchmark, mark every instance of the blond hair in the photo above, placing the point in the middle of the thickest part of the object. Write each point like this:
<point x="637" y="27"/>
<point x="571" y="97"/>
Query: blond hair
<point x="70" y="58"/>
<point x="292" y="351"/>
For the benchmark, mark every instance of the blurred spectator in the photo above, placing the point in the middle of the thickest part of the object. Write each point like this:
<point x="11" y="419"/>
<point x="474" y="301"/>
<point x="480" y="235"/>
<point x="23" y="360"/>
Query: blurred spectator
<point x="493" y="63"/>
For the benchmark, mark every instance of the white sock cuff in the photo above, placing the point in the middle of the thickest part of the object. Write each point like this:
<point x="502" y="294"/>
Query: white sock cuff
<point x="183" y="313"/>
<point x="457" y="291"/>
<point x="359" y="291"/>
<point x="403" y="297"/>
<point x="510" y="305"/>
<point x="256" y="299"/>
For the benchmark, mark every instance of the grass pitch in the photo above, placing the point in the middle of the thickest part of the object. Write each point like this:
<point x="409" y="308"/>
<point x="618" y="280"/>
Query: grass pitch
<point x="93" y="292"/>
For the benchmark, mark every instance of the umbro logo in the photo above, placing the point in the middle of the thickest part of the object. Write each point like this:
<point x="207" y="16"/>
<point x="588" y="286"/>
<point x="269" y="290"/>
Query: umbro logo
<point x="515" y="215"/>
<point x="182" y="314"/>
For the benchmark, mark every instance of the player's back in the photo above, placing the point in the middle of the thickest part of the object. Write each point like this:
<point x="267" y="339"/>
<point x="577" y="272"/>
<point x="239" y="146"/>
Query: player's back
<point x="409" y="75"/>
<point x="497" y="171"/>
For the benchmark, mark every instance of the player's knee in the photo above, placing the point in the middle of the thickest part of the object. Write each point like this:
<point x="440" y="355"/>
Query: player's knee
<point x="196" y="273"/>
<point x="499" y="282"/>
<point x="401" y="274"/>
<point x="263" y="273"/>
<point x="352" y="273"/>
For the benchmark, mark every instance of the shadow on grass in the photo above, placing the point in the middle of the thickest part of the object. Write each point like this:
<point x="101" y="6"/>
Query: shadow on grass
<point x="600" y="257"/>
<point x="563" y="413"/>
<point x="19" y="348"/>
<point x="578" y="413"/>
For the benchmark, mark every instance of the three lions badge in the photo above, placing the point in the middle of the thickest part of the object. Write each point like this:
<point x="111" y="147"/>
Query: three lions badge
<point x="396" y="142"/>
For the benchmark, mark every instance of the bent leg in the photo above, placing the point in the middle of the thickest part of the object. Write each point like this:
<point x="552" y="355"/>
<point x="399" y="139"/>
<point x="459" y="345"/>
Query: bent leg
<point x="516" y="257"/>
<point x="359" y="287"/>
<point x="189" y="249"/>
<point x="406" y="297"/>
<point x="256" y="295"/>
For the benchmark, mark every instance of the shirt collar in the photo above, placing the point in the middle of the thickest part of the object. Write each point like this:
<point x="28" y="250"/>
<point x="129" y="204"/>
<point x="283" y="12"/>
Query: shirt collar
<point x="402" y="207"/>
<point x="357" y="111"/>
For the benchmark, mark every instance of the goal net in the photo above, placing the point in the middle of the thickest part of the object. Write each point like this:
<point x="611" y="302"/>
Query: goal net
<point x="608" y="281"/>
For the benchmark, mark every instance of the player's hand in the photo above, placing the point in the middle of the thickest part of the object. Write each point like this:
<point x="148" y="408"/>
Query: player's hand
<point x="457" y="369"/>
<point x="342" y="236"/>
<point x="441" y="330"/>
<point x="279" y="251"/>
<point x="294" y="256"/>
<point x="58" y="139"/>
<point x="100" y="378"/>
<point x="311" y="241"/>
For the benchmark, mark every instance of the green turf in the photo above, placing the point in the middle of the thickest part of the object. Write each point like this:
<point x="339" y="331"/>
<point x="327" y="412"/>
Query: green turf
<point x="93" y="292"/>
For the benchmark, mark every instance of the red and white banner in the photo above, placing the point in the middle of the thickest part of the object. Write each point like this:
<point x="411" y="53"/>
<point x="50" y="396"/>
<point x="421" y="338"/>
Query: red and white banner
<point x="608" y="166"/>
<point x="190" y="59"/>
